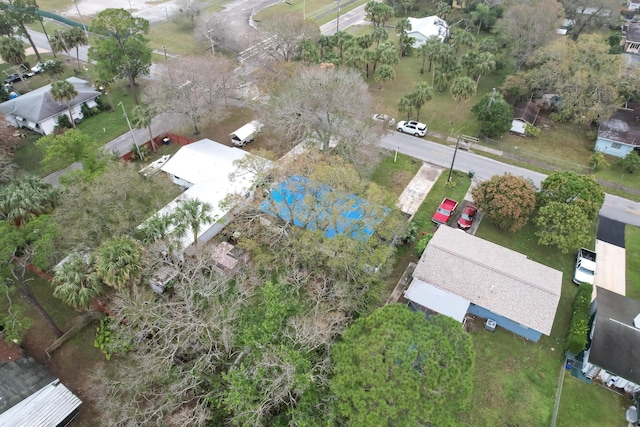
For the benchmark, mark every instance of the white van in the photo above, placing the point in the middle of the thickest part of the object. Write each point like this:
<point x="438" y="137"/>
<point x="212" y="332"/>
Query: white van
<point x="246" y="133"/>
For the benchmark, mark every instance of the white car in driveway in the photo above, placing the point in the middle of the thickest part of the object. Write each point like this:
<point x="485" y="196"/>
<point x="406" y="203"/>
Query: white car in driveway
<point x="412" y="128"/>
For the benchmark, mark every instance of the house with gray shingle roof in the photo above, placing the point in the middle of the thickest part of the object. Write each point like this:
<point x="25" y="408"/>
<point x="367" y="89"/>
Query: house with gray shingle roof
<point x="460" y="274"/>
<point x="38" y="111"/>
<point x="613" y="356"/>
<point x="30" y="395"/>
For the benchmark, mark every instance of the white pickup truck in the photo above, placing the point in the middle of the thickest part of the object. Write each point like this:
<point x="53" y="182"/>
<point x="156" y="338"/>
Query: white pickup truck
<point x="246" y="133"/>
<point x="585" y="267"/>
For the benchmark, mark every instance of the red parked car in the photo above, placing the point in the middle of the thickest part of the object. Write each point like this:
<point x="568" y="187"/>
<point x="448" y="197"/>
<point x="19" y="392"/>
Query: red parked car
<point x="466" y="219"/>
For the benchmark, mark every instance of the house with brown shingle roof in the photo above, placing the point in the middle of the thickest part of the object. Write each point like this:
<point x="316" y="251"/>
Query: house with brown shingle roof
<point x="524" y="113"/>
<point x="460" y="274"/>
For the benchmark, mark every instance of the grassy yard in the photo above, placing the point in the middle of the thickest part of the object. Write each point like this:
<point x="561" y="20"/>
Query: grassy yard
<point x="394" y="176"/>
<point x="590" y="405"/>
<point x="632" y="243"/>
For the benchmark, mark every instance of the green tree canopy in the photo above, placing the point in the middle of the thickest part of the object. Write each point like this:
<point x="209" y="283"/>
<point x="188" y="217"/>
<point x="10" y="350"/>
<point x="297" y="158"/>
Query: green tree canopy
<point x="118" y="261"/>
<point x="124" y="51"/>
<point x="26" y="198"/>
<point x="506" y="200"/>
<point x="76" y="283"/>
<point x="494" y="113"/>
<point x="394" y="367"/>
<point x="69" y="147"/>
<point x="572" y="188"/>
<point x="563" y="225"/>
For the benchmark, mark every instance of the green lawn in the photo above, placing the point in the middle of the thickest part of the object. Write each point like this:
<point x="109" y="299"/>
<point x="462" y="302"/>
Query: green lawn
<point x="590" y="405"/>
<point x="632" y="243"/>
<point x="394" y="176"/>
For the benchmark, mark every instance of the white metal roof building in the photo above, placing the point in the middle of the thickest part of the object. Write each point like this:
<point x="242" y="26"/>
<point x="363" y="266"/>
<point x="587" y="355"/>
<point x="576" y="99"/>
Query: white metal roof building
<point x="204" y="168"/>
<point x="31" y="397"/>
<point x="423" y="28"/>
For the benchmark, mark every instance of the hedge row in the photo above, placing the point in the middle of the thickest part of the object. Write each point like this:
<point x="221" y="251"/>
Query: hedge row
<point x="577" y="336"/>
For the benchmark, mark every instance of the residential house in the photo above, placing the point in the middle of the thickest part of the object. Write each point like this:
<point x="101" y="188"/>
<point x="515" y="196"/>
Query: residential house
<point x="30" y="395"/>
<point x="460" y="274"/>
<point x="423" y="28"/>
<point x="631" y="37"/>
<point x="38" y="111"/>
<point x="619" y="135"/>
<point x="633" y="5"/>
<point x="613" y="356"/>
<point x="204" y="169"/>
<point x="524" y="113"/>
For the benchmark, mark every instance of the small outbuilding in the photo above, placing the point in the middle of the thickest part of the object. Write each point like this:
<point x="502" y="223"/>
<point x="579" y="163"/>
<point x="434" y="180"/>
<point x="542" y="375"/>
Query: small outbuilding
<point x="524" y="113"/>
<point x="460" y="274"/>
<point x="38" y="111"/>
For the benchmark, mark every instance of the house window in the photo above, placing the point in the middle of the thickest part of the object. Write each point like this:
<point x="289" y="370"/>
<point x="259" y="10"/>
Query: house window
<point x="616" y="146"/>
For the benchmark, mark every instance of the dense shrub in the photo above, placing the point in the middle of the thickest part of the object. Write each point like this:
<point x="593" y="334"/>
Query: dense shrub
<point x="422" y="243"/>
<point x="64" y="122"/>
<point x="577" y="336"/>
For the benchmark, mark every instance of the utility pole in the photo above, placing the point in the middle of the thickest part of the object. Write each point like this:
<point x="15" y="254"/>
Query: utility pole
<point x="131" y="130"/>
<point x="338" y="18"/>
<point x="81" y="20"/>
<point x="454" y="158"/>
<point x="210" y="37"/>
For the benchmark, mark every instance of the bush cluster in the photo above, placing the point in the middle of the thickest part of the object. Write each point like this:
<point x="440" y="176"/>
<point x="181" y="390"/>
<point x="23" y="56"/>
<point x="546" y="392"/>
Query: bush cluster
<point x="577" y="336"/>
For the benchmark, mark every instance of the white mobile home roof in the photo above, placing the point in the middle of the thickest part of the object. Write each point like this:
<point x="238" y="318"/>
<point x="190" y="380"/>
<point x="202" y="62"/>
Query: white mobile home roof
<point x="203" y="160"/>
<point x="207" y="165"/>
<point x="491" y="276"/>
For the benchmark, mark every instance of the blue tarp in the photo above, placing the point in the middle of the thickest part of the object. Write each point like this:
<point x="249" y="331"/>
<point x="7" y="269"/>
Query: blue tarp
<point x="319" y="207"/>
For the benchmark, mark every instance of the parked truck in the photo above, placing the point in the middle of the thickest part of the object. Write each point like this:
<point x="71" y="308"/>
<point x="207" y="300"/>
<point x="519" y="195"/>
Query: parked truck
<point x="246" y="133"/>
<point x="444" y="211"/>
<point x="585" y="267"/>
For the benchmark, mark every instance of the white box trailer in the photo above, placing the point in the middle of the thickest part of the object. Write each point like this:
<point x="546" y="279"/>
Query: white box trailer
<point x="246" y="133"/>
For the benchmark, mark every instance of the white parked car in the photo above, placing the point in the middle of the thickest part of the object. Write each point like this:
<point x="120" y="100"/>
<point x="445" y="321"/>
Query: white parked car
<point x="412" y="128"/>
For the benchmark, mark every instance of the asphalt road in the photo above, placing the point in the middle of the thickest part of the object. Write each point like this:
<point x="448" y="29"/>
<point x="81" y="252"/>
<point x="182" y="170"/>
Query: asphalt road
<point x="616" y="208"/>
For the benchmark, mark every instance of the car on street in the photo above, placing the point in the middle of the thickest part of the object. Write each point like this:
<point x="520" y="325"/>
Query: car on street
<point x="412" y="128"/>
<point x="467" y="217"/>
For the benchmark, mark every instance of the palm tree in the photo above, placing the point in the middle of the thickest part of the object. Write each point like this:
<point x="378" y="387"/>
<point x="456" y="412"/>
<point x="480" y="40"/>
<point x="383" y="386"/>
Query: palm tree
<point x="406" y="106"/>
<point x="141" y="117"/>
<point x="489" y="44"/>
<point x="26" y="198"/>
<point x="481" y="16"/>
<point x="462" y="88"/>
<point x="76" y="283"/>
<point x="192" y="214"/>
<point x="420" y="95"/>
<point x="461" y="38"/>
<point x="342" y="41"/>
<point x="12" y="52"/>
<point x="385" y="73"/>
<point x="156" y="228"/>
<point x="58" y="42"/>
<point x="76" y="37"/>
<point x="443" y="53"/>
<point x="379" y="34"/>
<point x="326" y="43"/>
<point x="118" y="261"/>
<point x="432" y="44"/>
<point x="469" y="60"/>
<point x="355" y="57"/>
<point x="64" y="91"/>
<point x="484" y="65"/>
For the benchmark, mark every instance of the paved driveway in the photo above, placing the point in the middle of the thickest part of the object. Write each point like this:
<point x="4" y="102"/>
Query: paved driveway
<point x="611" y="256"/>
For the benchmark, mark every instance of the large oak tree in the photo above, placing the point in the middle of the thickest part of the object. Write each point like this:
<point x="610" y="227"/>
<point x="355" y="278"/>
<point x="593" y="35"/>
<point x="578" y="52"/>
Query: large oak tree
<point x="394" y="367"/>
<point x="123" y="50"/>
